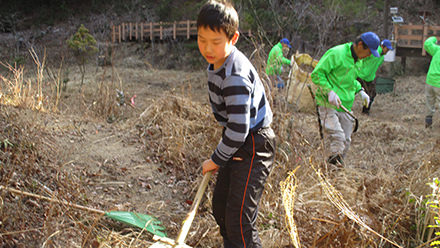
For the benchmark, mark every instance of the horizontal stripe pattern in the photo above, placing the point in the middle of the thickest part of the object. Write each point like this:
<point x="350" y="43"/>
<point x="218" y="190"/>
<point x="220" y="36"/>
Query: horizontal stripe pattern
<point x="238" y="102"/>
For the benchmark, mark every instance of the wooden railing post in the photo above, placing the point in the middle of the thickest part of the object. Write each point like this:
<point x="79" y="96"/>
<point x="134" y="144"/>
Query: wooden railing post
<point x="130" y="25"/>
<point x="119" y="34"/>
<point x="113" y="34"/>
<point x="174" y="30"/>
<point x="424" y="36"/>
<point x="160" y="31"/>
<point x="123" y="31"/>
<point x="151" y="31"/>
<point x="187" y="29"/>
<point x="142" y="31"/>
<point x="136" y="30"/>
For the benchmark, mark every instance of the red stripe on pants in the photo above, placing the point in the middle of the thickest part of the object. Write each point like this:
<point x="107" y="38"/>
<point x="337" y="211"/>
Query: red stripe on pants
<point x="245" y="189"/>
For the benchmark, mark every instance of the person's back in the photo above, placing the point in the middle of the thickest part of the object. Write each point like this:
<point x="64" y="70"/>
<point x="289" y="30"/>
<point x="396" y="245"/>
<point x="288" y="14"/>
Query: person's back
<point x="370" y="66"/>
<point x="433" y="76"/>
<point x="367" y="74"/>
<point x="336" y="70"/>
<point x="276" y="60"/>
<point x="432" y="88"/>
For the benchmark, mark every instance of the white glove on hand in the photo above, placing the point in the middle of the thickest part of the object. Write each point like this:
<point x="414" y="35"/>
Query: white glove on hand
<point x="333" y="99"/>
<point x="365" y="98"/>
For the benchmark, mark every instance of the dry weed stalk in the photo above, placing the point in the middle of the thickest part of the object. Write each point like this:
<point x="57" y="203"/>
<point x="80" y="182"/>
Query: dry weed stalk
<point x="338" y="201"/>
<point x="111" y="239"/>
<point x="29" y="93"/>
<point x="288" y="188"/>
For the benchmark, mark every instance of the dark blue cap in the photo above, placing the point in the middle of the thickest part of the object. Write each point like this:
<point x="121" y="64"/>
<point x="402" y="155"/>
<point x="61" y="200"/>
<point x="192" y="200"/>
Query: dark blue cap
<point x="372" y="41"/>
<point x="286" y="41"/>
<point x="387" y="43"/>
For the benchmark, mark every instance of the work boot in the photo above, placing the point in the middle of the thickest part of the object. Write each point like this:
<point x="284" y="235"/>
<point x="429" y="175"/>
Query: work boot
<point x="336" y="159"/>
<point x="428" y="121"/>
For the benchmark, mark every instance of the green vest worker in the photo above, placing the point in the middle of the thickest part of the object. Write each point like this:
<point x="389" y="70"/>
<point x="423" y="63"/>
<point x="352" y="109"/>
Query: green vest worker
<point x="276" y="60"/>
<point x="367" y="74"/>
<point x="335" y="75"/>
<point x="432" y="88"/>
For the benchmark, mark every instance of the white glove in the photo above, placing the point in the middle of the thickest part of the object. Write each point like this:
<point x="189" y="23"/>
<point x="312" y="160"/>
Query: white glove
<point x="333" y="99"/>
<point x="365" y="98"/>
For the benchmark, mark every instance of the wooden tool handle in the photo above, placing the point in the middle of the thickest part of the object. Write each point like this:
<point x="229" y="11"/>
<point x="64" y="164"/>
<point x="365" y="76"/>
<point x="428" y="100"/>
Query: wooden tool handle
<point x="348" y="112"/>
<point x="52" y="200"/>
<point x="192" y="213"/>
<point x="356" y="122"/>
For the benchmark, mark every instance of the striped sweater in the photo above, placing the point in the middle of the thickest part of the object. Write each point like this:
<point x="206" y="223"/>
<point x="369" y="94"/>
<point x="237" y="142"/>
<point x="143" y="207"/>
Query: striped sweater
<point x="239" y="103"/>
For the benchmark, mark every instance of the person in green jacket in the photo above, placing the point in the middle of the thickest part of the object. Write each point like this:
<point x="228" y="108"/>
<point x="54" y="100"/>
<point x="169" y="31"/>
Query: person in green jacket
<point x="335" y="75"/>
<point x="432" y="88"/>
<point x="276" y="60"/>
<point x="367" y="74"/>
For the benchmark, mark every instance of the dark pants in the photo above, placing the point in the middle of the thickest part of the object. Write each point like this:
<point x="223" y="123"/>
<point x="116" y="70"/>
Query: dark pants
<point x="370" y="89"/>
<point x="239" y="187"/>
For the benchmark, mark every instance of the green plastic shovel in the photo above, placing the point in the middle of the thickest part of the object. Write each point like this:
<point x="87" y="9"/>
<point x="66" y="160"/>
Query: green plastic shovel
<point x="143" y="221"/>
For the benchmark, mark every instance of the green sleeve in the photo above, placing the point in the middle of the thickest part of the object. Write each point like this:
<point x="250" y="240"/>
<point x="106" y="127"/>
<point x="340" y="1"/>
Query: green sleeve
<point x="286" y="61"/>
<point x="358" y="86"/>
<point x="430" y="45"/>
<point x="281" y="58"/>
<point x="322" y="69"/>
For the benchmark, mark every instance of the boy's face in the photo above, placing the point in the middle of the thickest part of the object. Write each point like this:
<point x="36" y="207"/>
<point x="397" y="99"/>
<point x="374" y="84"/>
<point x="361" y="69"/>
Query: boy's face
<point x="215" y="46"/>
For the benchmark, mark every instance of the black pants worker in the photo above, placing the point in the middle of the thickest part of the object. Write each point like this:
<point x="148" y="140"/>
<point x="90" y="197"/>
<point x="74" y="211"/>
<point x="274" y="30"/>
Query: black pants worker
<point x="239" y="187"/>
<point x="370" y="89"/>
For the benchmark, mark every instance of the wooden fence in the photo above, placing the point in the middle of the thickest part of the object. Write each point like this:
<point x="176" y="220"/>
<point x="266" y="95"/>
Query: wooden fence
<point x="414" y="36"/>
<point x="142" y="31"/>
<point x="153" y="30"/>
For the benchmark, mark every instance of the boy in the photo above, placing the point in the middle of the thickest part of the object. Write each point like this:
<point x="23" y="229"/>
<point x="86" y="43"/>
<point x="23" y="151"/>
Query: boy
<point x="335" y="75"/>
<point x="276" y="60"/>
<point x="245" y="153"/>
<point x="367" y="75"/>
<point x="432" y="88"/>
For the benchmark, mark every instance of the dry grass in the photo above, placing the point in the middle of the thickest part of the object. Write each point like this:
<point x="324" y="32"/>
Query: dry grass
<point x="391" y="159"/>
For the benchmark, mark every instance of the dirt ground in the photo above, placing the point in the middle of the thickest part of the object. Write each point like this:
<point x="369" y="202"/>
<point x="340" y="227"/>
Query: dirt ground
<point x="117" y="160"/>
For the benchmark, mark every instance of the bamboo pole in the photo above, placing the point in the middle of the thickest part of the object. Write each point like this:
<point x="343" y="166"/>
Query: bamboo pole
<point x="130" y="26"/>
<point x="63" y="202"/>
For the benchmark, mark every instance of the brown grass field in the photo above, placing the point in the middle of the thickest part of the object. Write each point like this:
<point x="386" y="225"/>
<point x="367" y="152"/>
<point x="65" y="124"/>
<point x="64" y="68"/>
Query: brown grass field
<point x="83" y="146"/>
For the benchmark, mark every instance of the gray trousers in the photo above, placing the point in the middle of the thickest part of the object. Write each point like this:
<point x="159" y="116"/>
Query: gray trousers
<point x="338" y="127"/>
<point x="432" y="95"/>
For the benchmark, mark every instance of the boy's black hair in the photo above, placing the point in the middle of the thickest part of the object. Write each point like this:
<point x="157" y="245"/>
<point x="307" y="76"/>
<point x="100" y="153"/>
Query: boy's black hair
<point x="363" y="43"/>
<point x="219" y="15"/>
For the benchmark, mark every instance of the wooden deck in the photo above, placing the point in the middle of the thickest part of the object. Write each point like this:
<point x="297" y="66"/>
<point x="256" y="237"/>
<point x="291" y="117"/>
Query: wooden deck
<point x="149" y="31"/>
<point x="410" y="38"/>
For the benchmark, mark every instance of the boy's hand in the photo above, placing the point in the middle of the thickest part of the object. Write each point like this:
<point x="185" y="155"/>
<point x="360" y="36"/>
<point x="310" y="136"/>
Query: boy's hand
<point x="209" y="165"/>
